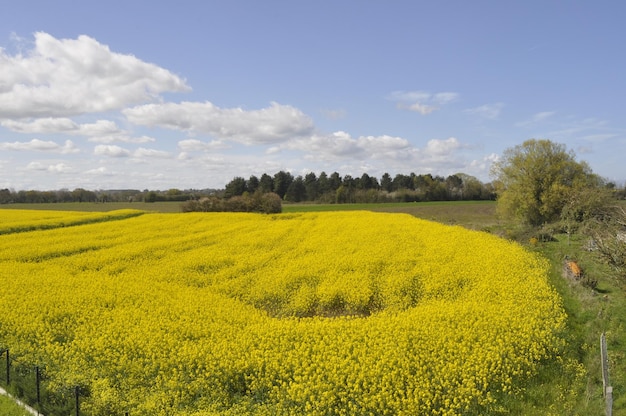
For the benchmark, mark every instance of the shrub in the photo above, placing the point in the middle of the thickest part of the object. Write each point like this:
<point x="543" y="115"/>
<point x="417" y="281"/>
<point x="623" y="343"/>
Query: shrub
<point x="267" y="203"/>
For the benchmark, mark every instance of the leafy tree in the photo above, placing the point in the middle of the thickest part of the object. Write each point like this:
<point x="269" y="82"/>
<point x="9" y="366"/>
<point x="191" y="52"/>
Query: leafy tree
<point x="334" y="181"/>
<point x="151" y="197"/>
<point x="312" y="186"/>
<point x="366" y="182"/>
<point x="83" y="195"/>
<point x="266" y="184"/>
<point x="236" y="187"/>
<point x="282" y="180"/>
<point x="385" y="182"/>
<point x="5" y="196"/>
<point x="296" y="191"/>
<point x="472" y="189"/>
<point x="323" y="186"/>
<point x="253" y="184"/>
<point x="423" y="183"/>
<point x="535" y="180"/>
<point x="342" y="195"/>
<point x="401" y="181"/>
<point x="609" y="235"/>
<point x="437" y="190"/>
<point x="454" y="183"/>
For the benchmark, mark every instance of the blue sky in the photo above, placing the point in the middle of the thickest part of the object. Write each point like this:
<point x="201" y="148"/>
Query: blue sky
<point x="189" y="94"/>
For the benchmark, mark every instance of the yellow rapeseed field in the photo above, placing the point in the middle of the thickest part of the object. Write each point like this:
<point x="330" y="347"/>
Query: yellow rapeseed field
<point x="336" y="313"/>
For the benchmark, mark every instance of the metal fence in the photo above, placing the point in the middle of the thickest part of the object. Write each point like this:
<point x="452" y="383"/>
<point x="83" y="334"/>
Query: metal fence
<point x="29" y="384"/>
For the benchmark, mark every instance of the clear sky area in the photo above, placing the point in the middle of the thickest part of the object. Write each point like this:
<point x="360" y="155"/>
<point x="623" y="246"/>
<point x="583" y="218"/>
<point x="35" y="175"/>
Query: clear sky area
<point x="190" y="94"/>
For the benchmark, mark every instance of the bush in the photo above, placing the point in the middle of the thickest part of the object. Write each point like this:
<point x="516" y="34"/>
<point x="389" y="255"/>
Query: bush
<point x="267" y="203"/>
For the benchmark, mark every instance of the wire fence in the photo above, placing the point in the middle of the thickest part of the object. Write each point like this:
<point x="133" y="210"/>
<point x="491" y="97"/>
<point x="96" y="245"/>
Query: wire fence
<point x="29" y="383"/>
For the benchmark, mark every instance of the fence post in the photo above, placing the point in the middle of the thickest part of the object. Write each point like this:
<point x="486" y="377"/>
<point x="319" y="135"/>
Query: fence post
<point x="604" y="363"/>
<point x="8" y="369"/>
<point x="38" y="382"/>
<point x="607" y="390"/>
<point x="76" y="392"/>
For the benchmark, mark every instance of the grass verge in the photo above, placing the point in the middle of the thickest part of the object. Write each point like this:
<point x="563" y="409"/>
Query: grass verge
<point x="9" y="408"/>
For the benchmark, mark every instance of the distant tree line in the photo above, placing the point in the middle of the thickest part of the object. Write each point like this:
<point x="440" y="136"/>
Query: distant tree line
<point x="322" y="188"/>
<point x="8" y="196"/>
<point x="335" y="188"/>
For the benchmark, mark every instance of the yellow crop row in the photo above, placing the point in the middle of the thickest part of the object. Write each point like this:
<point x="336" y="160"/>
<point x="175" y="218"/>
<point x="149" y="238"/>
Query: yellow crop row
<point x="320" y="313"/>
<point x="15" y="220"/>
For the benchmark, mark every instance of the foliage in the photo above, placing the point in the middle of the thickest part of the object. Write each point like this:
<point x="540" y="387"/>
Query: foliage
<point x="317" y="313"/>
<point x="537" y="179"/>
<point x="268" y="203"/>
<point x="609" y="237"/>
<point x="9" y="408"/>
<point x="364" y="189"/>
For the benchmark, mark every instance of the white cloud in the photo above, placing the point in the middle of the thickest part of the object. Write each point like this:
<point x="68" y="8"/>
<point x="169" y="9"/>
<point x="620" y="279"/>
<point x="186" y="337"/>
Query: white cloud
<point x="193" y="145"/>
<point x="484" y="164"/>
<point x="62" y="125"/>
<point x="60" y="168"/>
<point x="56" y="168"/>
<point x="41" y="146"/>
<point x="98" y="171"/>
<point x="122" y="138"/>
<point x="487" y="111"/>
<point x="152" y="153"/>
<point x="442" y="147"/>
<point x="386" y="147"/>
<point x="64" y="77"/>
<point x="36" y="166"/>
<point x="273" y="124"/>
<point x="421" y="101"/>
<point x="340" y="144"/>
<point x="409" y="96"/>
<point x="100" y="131"/>
<point x="99" y="128"/>
<point x="423" y="109"/>
<point x="535" y="119"/>
<point x="111" y="151"/>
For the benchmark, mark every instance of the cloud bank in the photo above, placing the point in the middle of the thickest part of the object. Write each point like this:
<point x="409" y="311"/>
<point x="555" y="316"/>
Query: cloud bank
<point x="65" y="77"/>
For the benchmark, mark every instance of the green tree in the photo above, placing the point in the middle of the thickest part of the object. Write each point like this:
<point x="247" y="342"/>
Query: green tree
<point x="5" y="196"/>
<point x="454" y="183"/>
<point x="386" y="182"/>
<point x="334" y="181"/>
<point x="266" y="184"/>
<point x="323" y="186"/>
<point x="401" y="181"/>
<point x="282" y="180"/>
<point x="312" y="186"/>
<point x="236" y="187"/>
<point x="296" y="191"/>
<point x="252" y="184"/>
<point x="535" y="180"/>
<point x="270" y="203"/>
